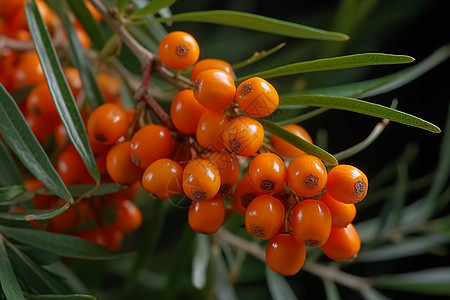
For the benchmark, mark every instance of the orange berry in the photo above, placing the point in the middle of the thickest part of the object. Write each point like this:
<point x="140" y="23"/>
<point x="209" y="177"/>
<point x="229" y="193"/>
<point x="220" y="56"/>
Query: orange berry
<point x="64" y="222"/>
<point x="307" y="175"/>
<point x="150" y="143"/>
<point x="267" y="173"/>
<point x="74" y="80"/>
<point x="210" y="128"/>
<point x="214" y="89"/>
<point x="109" y="86"/>
<point x="119" y="165"/>
<point x="257" y="97"/>
<point x="244" y="193"/>
<point x="40" y="127"/>
<point x="243" y="136"/>
<point x="40" y="103"/>
<point x="341" y="213"/>
<point x="347" y="184"/>
<point x="343" y="243"/>
<point x="28" y="70"/>
<point x="129" y="216"/>
<point x="178" y="50"/>
<point x="71" y="167"/>
<point x="264" y="217"/>
<point x="208" y="64"/>
<point x="228" y="167"/>
<point x="311" y="222"/>
<point x="285" y="255"/>
<point x="185" y="111"/>
<point x="106" y="237"/>
<point x="285" y="148"/>
<point x="108" y="123"/>
<point x="163" y="178"/>
<point x="201" y="179"/>
<point x="10" y="9"/>
<point x="206" y="216"/>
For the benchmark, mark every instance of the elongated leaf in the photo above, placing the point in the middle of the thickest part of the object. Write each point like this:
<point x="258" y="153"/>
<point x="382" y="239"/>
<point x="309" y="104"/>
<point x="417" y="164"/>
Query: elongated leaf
<point x="22" y="141"/>
<point x="257" y="23"/>
<point x="334" y="63"/>
<point x="80" y="190"/>
<point x="359" y="106"/>
<point x="10" y="192"/>
<point x="60" y="244"/>
<point x="299" y="142"/>
<point x="30" y="215"/>
<point x="278" y="286"/>
<point x="223" y="288"/>
<point x="8" y="280"/>
<point x="61" y="94"/>
<point x="9" y="172"/>
<point x="152" y="8"/>
<point x="200" y="261"/>
<point x="60" y="297"/>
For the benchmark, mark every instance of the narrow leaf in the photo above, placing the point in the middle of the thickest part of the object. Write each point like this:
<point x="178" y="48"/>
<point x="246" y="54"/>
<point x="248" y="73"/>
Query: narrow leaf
<point x="61" y="94"/>
<point x="10" y="192"/>
<point x="8" y="280"/>
<point x="278" y="286"/>
<point x="31" y="215"/>
<point x="60" y="244"/>
<point x="200" y="261"/>
<point x="257" y="23"/>
<point x="299" y="142"/>
<point x="359" y="106"/>
<point x="22" y="141"/>
<point x="60" y="297"/>
<point x="223" y="288"/>
<point x="152" y="8"/>
<point x="334" y="63"/>
<point x="9" y="172"/>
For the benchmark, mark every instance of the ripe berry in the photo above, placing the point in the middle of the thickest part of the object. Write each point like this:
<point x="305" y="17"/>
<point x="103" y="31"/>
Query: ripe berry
<point x="206" y="216"/>
<point x="228" y="167"/>
<point x="264" y="217"/>
<point x="178" y="50"/>
<point x="185" y="111"/>
<point x="210" y="128"/>
<point x="163" y="178"/>
<point x="64" y="222"/>
<point x="285" y="148"/>
<point x="244" y="193"/>
<point x="311" y="222"/>
<point x="109" y="86"/>
<point x="208" y="64"/>
<point x="341" y="213"/>
<point x="28" y="70"/>
<point x="201" y="179"/>
<point x="347" y="184"/>
<point x="129" y="216"/>
<point x="267" y="173"/>
<point x="107" y="237"/>
<point x="119" y="165"/>
<point x="307" y="175"/>
<point x="71" y="167"/>
<point x="343" y="243"/>
<point x="40" y="103"/>
<point x="285" y="255"/>
<point x="108" y="123"/>
<point x="214" y="89"/>
<point x="150" y="143"/>
<point x="243" y="136"/>
<point x="257" y="97"/>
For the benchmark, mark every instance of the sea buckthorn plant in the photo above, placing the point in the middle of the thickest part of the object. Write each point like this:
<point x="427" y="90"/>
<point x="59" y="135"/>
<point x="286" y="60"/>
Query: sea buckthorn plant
<point x="140" y="159"/>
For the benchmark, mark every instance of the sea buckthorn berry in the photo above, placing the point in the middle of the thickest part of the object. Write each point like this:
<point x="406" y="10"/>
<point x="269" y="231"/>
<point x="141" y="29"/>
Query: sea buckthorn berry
<point x="264" y="217"/>
<point x="214" y="89"/>
<point x="267" y="173"/>
<point x="150" y="143"/>
<point x="163" y="178"/>
<point x="228" y="168"/>
<point x="257" y="97"/>
<point x="119" y="165"/>
<point x="28" y="70"/>
<point x="178" y="50"/>
<point x="109" y="86"/>
<point x="129" y="216"/>
<point x="341" y="213"/>
<point x="285" y="255"/>
<point x="64" y="222"/>
<point x="307" y="175"/>
<point x="40" y="127"/>
<point x="243" y="136"/>
<point x="206" y="216"/>
<point x="311" y="222"/>
<point x="210" y="128"/>
<point x="108" y="123"/>
<point x="106" y="237"/>
<point x="244" y="193"/>
<point x="71" y="167"/>
<point x="185" y="111"/>
<point x="347" y="184"/>
<point x="208" y="64"/>
<point x="201" y="179"/>
<point x="343" y="243"/>
<point x="74" y="80"/>
<point x="287" y="149"/>
<point x="40" y="103"/>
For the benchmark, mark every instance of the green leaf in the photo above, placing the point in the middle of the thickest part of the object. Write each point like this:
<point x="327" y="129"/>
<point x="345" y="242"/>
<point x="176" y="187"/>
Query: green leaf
<point x="299" y="142"/>
<point x="31" y="215"/>
<point x="331" y="289"/>
<point x="257" y="56"/>
<point x="121" y="5"/>
<point x="334" y="63"/>
<point x="60" y="297"/>
<point x="80" y="190"/>
<point x="22" y="141"/>
<point x="223" y="288"/>
<point x="255" y="22"/>
<point x="152" y="8"/>
<point x="8" y="280"/>
<point x="359" y="106"/>
<point x="61" y="94"/>
<point x="278" y="286"/>
<point x="10" y="192"/>
<point x="9" y="172"/>
<point x="200" y="261"/>
<point x="429" y="282"/>
<point x="60" y="244"/>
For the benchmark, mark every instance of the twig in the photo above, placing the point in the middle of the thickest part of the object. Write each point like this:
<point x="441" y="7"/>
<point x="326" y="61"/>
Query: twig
<point x="8" y="43"/>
